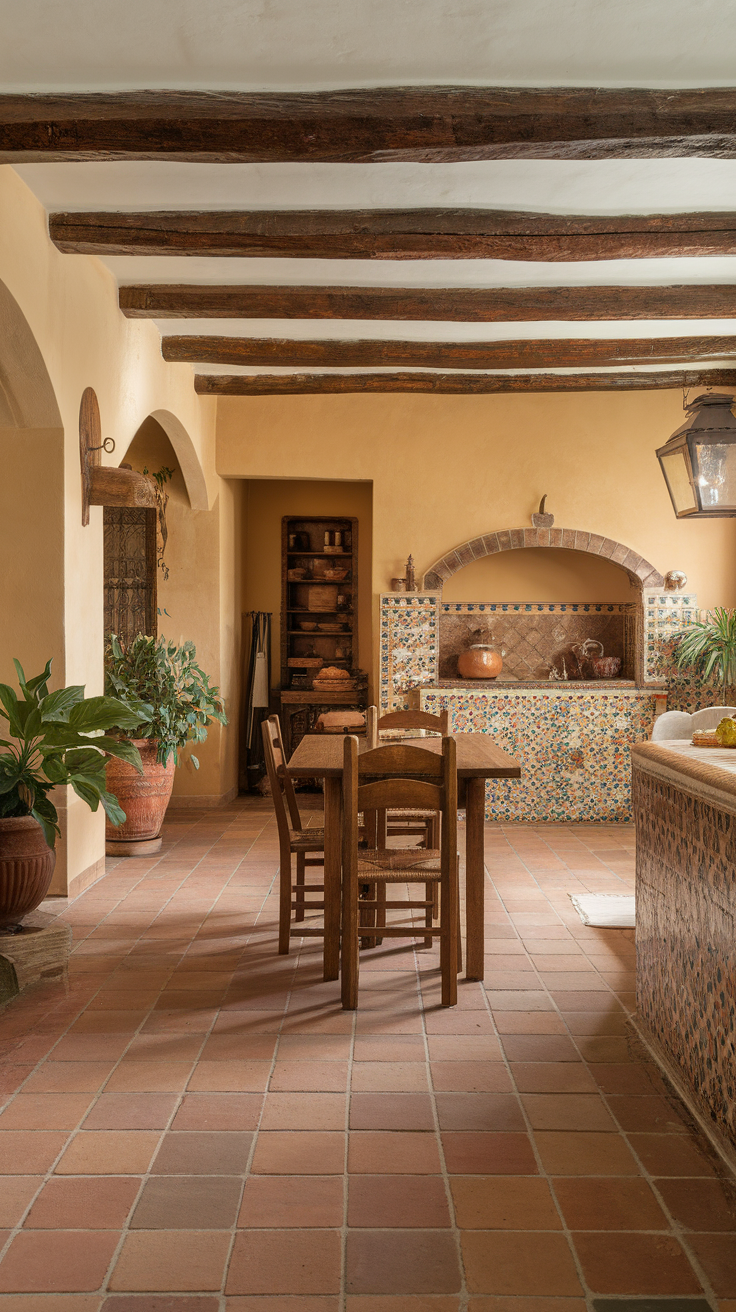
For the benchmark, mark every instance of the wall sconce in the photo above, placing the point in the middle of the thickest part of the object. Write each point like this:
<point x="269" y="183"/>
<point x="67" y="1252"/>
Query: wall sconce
<point x="106" y="485"/>
<point x="699" y="460"/>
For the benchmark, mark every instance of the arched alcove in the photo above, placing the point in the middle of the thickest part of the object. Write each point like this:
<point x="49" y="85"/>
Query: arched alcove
<point x="642" y="573"/>
<point x="27" y="397"/>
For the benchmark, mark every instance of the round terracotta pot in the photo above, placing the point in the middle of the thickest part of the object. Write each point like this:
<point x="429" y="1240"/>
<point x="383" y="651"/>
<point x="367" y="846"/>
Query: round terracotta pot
<point x="26" y="866"/>
<point x="143" y="797"/>
<point x="606" y="667"/>
<point x="479" y="662"/>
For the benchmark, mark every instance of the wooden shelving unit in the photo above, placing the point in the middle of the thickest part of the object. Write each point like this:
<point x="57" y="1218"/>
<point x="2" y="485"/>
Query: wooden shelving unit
<point x="316" y="600"/>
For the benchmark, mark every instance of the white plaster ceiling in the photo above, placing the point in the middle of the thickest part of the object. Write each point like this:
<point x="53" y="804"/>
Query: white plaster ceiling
<point x="87" y="45"/>
<point x="84" y="45"/>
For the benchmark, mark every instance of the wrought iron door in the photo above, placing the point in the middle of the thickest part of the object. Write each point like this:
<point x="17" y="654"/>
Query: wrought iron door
<point x="130" y="571"/>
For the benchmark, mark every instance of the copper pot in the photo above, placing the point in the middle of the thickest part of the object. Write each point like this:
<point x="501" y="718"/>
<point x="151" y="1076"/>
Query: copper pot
<point x="143" y="797"/>
<point x="26" y="867"/>
<point x="479" y="662"/>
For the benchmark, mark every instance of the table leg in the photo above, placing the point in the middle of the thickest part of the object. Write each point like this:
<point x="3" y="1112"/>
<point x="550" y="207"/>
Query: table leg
<point x="333" y="874"/>
<point x="475" y="798"/>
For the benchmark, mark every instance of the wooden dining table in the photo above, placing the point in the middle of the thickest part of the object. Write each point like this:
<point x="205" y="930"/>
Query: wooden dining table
<point x="478" y="758"/>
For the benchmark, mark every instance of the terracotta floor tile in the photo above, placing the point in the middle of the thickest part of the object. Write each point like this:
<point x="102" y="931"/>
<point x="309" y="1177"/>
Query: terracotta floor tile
<point x="292" y="1201"/>
<point x="567" y="1111"/>
<point x="230" y="1076"/>
<point x="445" y="1047"/>
<point x="470" y="1077"/>
<point x="239" y="1047"/>
<point x="584" y="1153"/>
<point x="309" y="1077"/>
<point x="385" y="1111"/>
<point x="164" y="1047"/>
<point x="701" y="1204"/>
<point x="398" y="1202"/>
<point x="202" y="1152"/>
<point x="131" y="1111"/>
<point x="69" y="1077"/>
<point x="93" y="1204"/>
<point x="188" y="1202"/>
<point x="91" y="1047"/>
<point x="389" y="1047"/>
<point x="627" y="1078"/>
<point x="376" y="1152"/>
<point x="109" y="1152"/>
<point x="450" y="1021"/>
<point x="218" y="1111"/>
<point x="553" y="1077"/>
<point x="51" y="1302"/>
<point x="304" y="1111"/>
<point x="505" y="1262"/>
<point x="292" y="1262"/>
<point x="64" y="1260"/>
<point x="401" y="1303"/>
<point x="401" y="1262"/>
<point x="479" y="1111"/>
<point x="641" y="1114"/>
<point x="389" y="1077"/>
<point x="45" y="1111"/>
<point x="606" y="1204"/>
<point x="16" y="1192"/>
<point x="672" y="1154"/>
<point x="149" y="1077"/>
<point x="498" y="1203"/>
<point x="301" y="1152"/>
<point x="29" y="1151"/>
<point x="717" y="1256"/>
<point x="170" y="1260"/>
<point x="488" y="1154"/>
<point x="533" y="1022"/>
<point x="616" y="1263"/>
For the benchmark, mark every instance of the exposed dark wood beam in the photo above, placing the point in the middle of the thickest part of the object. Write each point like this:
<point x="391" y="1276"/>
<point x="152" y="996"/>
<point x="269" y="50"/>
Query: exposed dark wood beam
<point x="417" y="234"/>
<point x="453" y="384"/>
<point x="430" y="124"/>
<point x="548" y="353"/>
<point x="480" y="305"/>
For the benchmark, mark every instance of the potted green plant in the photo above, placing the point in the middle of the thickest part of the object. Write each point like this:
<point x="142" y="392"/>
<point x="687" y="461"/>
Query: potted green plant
<point x="53" y="738"/>
<point x="180" y="704"/>
<point x="709" y="646"/>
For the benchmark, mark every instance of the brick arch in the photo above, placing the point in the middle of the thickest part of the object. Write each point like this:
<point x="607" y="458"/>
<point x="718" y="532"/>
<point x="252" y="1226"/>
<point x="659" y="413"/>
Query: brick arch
<point x="639" y="570"/>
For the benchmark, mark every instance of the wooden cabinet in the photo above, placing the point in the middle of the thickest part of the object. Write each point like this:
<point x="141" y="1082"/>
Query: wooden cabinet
<point x="319" y="618"/>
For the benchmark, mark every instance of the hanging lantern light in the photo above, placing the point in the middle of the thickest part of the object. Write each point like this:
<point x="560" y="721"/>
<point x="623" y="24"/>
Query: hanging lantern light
<point x="699" y="461"/>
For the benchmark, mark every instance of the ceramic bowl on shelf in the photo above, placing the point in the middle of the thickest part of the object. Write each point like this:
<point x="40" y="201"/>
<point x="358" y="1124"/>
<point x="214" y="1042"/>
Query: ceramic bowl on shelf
<point x="296" y="575"/>
<point x="334" y="575"/>
<point x="330" y="628"/>
<point x="308" y="625"/>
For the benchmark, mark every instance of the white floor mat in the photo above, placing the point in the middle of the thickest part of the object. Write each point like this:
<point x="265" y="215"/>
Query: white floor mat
<point x="605" y="910"/>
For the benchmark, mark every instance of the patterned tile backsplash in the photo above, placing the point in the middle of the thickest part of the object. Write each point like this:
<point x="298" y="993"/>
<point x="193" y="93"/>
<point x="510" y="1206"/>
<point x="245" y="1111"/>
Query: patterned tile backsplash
<point x="534" y="637"/>
<point x="575" y="742"/>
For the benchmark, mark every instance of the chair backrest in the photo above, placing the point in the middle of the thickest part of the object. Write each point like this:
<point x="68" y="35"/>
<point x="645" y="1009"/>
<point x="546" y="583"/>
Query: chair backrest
<point x="405" y="720"/>
<point x="710" y="716"/>
<point x="672" y="724"/>
<point x="282" y="788"/>
<point x="398" y="775"/>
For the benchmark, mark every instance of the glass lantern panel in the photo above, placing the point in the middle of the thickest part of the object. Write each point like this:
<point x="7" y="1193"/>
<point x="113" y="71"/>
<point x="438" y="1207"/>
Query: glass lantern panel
<point x="715" y="475"/>
<point x="677" y="474"/>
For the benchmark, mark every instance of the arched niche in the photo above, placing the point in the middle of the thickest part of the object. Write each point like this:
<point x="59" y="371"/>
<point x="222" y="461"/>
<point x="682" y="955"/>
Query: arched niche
<point x="641" y="572"/>
<point x="27" y="397"/>
<point x="184" y="451"/>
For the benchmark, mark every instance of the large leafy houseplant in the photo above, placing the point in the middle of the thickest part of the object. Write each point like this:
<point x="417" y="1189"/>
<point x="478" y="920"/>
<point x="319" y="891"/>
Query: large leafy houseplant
<point x="60" y="738"/>
<point x="176" y="694"/>
<point x="709" y="646"/>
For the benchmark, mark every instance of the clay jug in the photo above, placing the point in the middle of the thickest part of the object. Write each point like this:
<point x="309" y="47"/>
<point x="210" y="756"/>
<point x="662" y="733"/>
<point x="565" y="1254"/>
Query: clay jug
<point x="479" y="662"/>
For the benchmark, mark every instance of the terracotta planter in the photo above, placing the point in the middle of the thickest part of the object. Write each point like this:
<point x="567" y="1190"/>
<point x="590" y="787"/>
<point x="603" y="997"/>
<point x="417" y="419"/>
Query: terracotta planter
<point x="479" y="662"/>
<point x="26" y="866"/>
<point x="143" y="797"/>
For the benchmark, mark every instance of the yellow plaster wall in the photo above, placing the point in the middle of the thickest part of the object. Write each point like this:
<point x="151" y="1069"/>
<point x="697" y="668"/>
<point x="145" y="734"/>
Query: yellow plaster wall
<point x="70" y="306"/>
<point x="266" y="501"/>
<point x="445" y="469"/>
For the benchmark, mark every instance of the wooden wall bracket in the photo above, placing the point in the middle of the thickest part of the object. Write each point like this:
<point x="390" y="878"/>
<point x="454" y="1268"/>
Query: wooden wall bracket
<point x="106" y="485"/>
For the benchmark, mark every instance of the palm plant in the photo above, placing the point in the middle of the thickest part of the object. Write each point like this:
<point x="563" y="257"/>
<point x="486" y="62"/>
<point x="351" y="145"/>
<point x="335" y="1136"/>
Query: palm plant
<point x="59" y="738"/>
<point x="709" y="645"/>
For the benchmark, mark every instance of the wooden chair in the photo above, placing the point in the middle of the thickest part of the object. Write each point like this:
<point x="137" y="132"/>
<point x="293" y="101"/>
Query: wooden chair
<point x="380" y="779"/>
<point x="421" y="824"/>
<point x="294" y="840"/>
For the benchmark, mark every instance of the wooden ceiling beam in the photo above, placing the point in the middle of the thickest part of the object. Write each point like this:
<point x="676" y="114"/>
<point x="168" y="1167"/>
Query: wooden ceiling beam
<point x="480" y="305"/>
<point x="427" y="124"/>
<point x="518" y="354"/>
<point x="454" y="384"/>
<point x="415" y="234"/>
